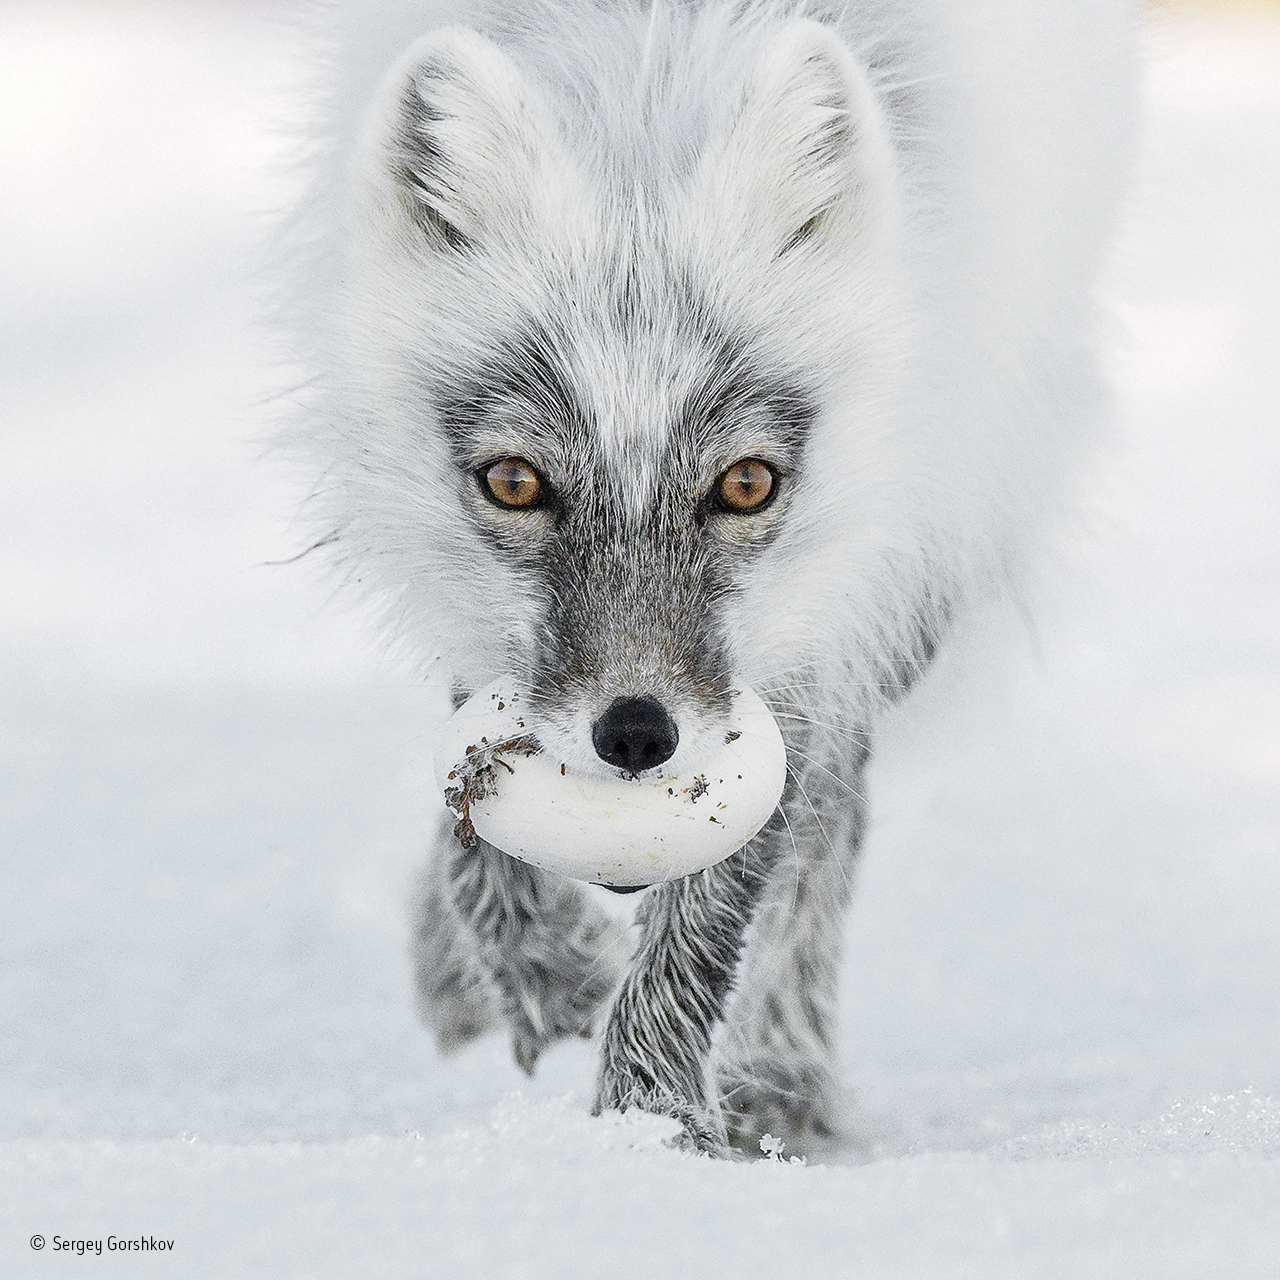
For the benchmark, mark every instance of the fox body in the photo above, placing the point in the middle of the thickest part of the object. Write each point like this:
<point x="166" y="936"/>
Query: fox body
<point x="668" y="347"/>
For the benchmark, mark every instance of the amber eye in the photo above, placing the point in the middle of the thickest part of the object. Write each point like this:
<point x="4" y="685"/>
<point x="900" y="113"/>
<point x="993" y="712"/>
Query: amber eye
<point x="746" y="486"/>
<point x="512" y="482"/>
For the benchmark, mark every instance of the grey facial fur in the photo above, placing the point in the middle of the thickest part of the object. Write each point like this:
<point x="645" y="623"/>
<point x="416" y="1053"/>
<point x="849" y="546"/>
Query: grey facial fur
<point x="629" y="555"/>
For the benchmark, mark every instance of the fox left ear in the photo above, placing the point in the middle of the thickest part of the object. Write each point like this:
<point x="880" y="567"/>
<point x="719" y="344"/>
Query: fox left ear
<point x="805" y="146"/>
<point x="459" y="144"/>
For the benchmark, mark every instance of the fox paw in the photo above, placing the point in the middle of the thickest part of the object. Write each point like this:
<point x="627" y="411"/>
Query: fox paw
<point x="702" y="1129"/>
<point x="802" y="1109"/>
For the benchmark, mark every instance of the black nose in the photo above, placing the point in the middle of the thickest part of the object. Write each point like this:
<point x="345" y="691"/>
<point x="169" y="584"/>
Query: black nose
<point x="635" y="734"/>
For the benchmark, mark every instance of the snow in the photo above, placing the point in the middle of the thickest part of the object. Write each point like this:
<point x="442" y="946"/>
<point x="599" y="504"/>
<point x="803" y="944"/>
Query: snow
<point x="1060" y="1020"/>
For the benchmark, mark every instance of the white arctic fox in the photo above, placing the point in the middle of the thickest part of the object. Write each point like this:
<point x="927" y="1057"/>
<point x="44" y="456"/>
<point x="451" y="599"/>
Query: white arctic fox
<point x="666" y="347"/>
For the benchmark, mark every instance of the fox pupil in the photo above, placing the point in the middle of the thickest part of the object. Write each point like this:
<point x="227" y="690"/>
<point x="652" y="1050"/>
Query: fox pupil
<point x="513" y="483"/>
<point x="746" y="486"/>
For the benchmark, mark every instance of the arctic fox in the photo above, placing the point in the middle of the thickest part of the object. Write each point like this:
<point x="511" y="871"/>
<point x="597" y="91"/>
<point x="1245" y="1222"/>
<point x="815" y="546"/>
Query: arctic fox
<point x="667" y="347"/>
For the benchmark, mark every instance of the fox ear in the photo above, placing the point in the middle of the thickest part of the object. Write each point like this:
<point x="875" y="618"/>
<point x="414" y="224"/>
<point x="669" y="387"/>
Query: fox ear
<point x="806" y="144"/>
<point x="459" y="142"/>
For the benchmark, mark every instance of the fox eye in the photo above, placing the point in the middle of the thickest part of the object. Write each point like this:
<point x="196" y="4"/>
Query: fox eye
<point x="746" y="487"/>
<point x="512" y="482"/>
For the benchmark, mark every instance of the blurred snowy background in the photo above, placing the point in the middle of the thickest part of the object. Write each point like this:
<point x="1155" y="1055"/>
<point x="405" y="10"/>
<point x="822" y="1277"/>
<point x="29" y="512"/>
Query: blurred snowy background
<point x="1062" y="1011"/>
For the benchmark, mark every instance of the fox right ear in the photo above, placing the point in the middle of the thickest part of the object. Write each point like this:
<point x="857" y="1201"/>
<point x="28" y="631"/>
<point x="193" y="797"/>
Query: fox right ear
<point x="459" y="142"/>
<point x="805" y="147"/>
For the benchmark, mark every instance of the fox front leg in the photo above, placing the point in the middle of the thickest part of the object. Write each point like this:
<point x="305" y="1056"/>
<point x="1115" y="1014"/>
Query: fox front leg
<point x="656" y="1054"/>
<point x="776" y="1054"/>
<point x="501" y="937"/>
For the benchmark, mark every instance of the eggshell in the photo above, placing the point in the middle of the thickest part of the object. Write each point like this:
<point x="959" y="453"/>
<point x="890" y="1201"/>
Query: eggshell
<point x="610" y="829"/>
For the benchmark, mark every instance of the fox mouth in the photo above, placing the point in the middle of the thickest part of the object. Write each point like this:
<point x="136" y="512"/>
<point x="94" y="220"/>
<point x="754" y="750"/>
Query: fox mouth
<point x="627" y="826"/>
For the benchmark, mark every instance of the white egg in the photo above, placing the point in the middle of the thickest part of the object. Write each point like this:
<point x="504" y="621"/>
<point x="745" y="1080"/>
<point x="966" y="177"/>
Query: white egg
<point x="610" y="829"/>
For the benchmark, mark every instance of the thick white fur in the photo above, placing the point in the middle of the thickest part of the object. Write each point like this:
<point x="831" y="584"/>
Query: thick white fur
<point x="901" y="206"/>
<point x="943" y="305"/>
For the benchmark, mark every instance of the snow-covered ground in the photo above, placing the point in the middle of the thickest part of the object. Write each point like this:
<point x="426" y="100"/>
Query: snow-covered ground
<point x="1062" y="1011"/>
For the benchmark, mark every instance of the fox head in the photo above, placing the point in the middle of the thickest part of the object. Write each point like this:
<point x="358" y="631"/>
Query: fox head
<point x="618" y="358"/>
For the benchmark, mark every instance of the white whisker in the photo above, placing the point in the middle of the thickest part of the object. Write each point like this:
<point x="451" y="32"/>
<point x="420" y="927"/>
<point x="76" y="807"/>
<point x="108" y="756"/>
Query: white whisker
<point x="795" y="849"/>
<point x="835" y="777"/>
<point x="852" y="735"/>
<point x="818" y="819"/>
